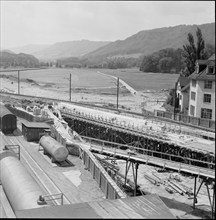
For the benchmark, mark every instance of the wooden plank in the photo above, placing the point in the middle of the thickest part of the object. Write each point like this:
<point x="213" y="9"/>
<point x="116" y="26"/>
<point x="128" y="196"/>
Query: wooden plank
<point x="157" y="203"/>
<point x="141" y="208"/>
<point x="99" y="210"/>
<point x="151" y="206"/>
<point x="111" y="209"/>
<point x="145" y="208"/>
<point x="127" y="210"/>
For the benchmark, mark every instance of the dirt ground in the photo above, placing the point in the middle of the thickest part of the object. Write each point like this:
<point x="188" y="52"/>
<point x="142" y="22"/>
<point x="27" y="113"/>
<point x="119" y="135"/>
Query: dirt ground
<point x="180" y="205"/>
<point x="105" y="96"/>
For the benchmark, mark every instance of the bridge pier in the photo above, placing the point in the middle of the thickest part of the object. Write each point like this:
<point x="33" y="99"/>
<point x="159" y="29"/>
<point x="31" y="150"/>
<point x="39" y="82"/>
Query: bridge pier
<point x="134" y="167"/>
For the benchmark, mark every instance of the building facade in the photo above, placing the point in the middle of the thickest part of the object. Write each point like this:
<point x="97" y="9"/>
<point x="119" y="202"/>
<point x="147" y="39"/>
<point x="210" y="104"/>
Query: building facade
<point x="182" y="91"/>
<point x="202" y="89"/>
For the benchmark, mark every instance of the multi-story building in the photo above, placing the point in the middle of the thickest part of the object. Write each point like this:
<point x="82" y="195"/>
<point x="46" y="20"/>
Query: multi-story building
<point x="182" y="90"/>
<point x="202" y="89"/>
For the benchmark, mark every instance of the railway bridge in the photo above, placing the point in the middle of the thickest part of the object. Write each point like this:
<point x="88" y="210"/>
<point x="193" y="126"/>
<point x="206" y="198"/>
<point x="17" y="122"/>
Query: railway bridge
<point x="113" y="139"/>
<point x="155" y="144"/>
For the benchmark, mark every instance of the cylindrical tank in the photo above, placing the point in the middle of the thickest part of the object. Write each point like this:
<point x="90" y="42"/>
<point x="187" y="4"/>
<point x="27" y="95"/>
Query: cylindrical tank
<point x="20" y="187"/>
<point x="56" y="150"/>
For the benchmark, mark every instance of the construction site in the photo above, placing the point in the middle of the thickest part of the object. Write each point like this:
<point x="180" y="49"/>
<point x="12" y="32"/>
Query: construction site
<point x="69" y="160"/>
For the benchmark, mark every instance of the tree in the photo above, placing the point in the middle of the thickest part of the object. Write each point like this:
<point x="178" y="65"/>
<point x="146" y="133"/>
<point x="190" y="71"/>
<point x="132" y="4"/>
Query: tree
<point x="165" y="64"/>
<point x="192" y="53"/>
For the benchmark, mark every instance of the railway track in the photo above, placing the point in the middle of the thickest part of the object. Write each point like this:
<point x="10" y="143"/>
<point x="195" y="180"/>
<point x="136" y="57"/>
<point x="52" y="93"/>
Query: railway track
<point x="113" y="110"/>
<point x="40" y="174"/>
<point x="157" y="142"/>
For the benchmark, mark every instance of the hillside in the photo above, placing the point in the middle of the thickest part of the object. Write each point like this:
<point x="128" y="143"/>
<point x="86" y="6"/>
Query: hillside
<point x="148" y="41"/>
<point x="13" y="60"/>
<point x="68" y="49"/>
<point x="29" y="49"/>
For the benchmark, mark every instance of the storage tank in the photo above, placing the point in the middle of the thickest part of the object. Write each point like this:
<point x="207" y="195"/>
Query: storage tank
<point x="56" y="150"/>
<point x="20" y="187"/>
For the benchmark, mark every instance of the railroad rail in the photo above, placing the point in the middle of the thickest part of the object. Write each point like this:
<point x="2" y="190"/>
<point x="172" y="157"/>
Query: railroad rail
<point x="113" y="110"/>
<point x="43" y="178"/>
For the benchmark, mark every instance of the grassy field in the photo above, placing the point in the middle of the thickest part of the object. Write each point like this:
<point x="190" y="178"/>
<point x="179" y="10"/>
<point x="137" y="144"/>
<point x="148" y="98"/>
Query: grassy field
<point x="144" y="81"/>
<point x="90" y="78"/>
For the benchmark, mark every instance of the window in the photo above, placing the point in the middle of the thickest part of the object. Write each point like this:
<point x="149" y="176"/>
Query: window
<point x="206" y="113"/>
<point x="193" y="95"/>
<point x="207" y="98"/>
<point x="192" y="110"/>
<point x="210" y="70"/>
<point x="207" y="84"/>
<point x="193" y="83"/>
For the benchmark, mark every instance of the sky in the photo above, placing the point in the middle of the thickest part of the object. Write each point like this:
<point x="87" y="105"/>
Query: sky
<point x="48" y="22"/>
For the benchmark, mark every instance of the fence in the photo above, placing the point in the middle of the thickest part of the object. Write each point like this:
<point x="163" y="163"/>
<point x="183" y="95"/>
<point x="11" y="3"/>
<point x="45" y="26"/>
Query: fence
<point x="199" y="122"/>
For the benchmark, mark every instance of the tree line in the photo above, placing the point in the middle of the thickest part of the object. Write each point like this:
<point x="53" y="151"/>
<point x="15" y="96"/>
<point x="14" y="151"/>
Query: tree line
<point x="181" y="60"/>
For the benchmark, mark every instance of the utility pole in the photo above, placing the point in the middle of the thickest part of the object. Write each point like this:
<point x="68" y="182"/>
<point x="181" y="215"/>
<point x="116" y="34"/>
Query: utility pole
<point x="117" y="91"/>
<point x="70" y="88"/>
<point x="174" y="98"/>
<point x="18" y="82"/>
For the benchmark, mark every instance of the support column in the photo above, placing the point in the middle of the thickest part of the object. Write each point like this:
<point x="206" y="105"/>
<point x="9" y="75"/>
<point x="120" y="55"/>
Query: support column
<point x="136" y="177"/>
<point x="195" y="200"/>
<point x="213" y="202"/>
<point x="126" y="170"/>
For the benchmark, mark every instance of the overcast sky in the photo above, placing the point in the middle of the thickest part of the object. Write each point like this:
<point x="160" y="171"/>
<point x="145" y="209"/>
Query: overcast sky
<point x="48" y="22"/>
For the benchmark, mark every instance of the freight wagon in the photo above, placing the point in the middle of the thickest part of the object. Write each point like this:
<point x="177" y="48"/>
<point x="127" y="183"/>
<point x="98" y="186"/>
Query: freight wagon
<point x="8" y="121"/>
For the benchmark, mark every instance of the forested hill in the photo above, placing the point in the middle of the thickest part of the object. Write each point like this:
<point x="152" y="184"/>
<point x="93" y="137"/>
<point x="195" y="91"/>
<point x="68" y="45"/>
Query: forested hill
<point x="13" y="60"/>
<point x="149" y="41"/>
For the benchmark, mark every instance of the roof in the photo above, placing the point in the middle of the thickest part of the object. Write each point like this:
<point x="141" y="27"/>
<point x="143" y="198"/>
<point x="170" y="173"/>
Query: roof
<point x="203" y="75"/>
<point x="185" y="87"/>
<point x="35" y="124"/>
<point x="183" y="81"/>
<point x="212" y="57"/>
<point x="147" y="206"/>
<point x="202" y="62"/>
<point x="4" y="111"/>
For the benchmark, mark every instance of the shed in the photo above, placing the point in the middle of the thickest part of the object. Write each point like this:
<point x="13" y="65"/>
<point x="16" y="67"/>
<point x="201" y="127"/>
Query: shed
<point x="8" y="121"/>
<point x="32" y="130"/>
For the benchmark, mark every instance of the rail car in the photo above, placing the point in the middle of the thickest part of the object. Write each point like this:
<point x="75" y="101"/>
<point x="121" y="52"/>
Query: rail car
<point x="8" y="121"/>
<point x="57" y="151"/>
<point x="21" y="189"/>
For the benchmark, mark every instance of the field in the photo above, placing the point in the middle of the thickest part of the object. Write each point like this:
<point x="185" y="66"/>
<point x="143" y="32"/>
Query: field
<point x="144" y="81"/>
<point x="90" y="78"/>
<point x="92" y="86"/>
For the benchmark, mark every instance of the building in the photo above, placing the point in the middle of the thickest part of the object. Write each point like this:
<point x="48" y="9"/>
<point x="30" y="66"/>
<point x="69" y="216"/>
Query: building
<point x="182" y="90"/>
<point x="202" y="89"/>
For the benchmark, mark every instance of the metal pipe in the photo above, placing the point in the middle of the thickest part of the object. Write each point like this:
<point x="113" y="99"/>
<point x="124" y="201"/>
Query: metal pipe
<point x="175" y="188"/>
<point x="177" y="185"/>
